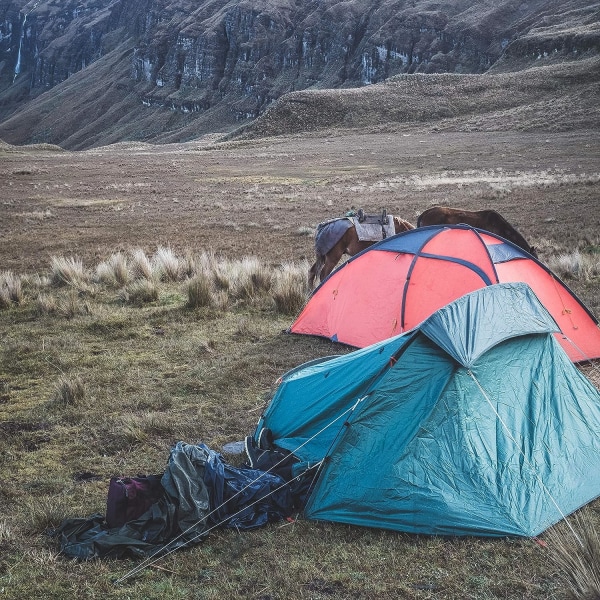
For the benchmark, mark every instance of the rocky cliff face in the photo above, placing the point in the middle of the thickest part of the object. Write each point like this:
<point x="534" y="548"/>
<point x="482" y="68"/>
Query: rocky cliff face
<point x="234" y="57"/>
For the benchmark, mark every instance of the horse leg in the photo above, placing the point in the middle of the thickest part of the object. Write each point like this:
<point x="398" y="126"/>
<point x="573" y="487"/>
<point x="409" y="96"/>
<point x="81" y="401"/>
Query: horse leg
<point x="316" y="268"/>
<point x="332" y="258"/>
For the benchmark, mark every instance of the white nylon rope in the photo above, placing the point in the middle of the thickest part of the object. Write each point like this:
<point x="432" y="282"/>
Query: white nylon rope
<point x="586" y="357"/>
<point x="510" y="435"/>
<point x="147" y="562"/>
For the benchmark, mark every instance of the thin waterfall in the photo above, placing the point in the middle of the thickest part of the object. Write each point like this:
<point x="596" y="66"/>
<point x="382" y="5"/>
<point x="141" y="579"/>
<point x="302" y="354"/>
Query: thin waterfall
<point x="18" y="64"/>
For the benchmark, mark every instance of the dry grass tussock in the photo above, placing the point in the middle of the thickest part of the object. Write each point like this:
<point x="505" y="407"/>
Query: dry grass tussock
<point x="165" y="265"/>
<point x="114" y="271"/>
<point x="289" y="290"/>
<point x="73" y="304"/>
<point x="140" y="428"/>
<point x="119" y="269"/>
<point x="141" y="265"/>
<point x="68" y="271"/>
<point x="576" y="265"/>
<point x="200" y="292"/>
<point x="6" y="532"/>
<point x="208" y="281"/>
<point x="11" y="290"/>
<point x="70" y="304"/>
<point x="575" y="551"/>
<point x="46" y="513"/>
<point x="222" y="283"/>
<point x="69" y="391"/>
<point x="246" y="278"/>
<point x="139" y="292"/>
<point x="168" y="266"/>
<point x="46" y="304"/>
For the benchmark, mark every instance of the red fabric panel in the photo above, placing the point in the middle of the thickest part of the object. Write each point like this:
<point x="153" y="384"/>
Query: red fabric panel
<point x="359" y="303"/>
<point x="573" y="320"/>
<point x="463" y="244"/>
<point x="435" y="283"/>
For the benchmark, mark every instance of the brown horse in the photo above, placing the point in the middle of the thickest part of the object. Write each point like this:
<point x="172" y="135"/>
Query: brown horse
<point x="489" y="220"/>
<point x="349" y="244"/>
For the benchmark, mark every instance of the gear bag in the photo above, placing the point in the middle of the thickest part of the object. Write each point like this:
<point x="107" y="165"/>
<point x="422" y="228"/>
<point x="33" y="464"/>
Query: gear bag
<point x="130" y="497"/>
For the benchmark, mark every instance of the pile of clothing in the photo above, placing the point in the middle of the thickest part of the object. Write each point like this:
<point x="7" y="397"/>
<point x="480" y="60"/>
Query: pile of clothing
<point x="197" y="493"/>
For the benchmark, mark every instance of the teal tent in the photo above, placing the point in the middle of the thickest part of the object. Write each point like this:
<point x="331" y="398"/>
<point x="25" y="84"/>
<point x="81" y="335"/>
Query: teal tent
<point x="473" y="423"/>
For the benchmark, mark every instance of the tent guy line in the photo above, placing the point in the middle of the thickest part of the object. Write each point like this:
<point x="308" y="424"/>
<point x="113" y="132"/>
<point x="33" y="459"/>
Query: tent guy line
<point x="586" y="358"/>
<point x="158" y="554"/>
<point x="520" y="451"/>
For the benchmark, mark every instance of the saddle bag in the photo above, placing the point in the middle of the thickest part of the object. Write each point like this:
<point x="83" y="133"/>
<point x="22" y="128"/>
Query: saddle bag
<point x="130" y="497"/>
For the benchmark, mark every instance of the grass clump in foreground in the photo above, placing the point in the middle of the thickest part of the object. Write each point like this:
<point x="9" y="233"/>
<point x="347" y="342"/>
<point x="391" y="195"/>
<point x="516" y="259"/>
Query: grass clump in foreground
<point x="575" y="550"/>
<point x="108" y="391"/>
<point x="69" y="391"/>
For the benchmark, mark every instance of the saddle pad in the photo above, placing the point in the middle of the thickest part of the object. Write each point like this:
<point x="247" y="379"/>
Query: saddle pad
<point x="329" y="234"/>
<point x="373" y="232"/>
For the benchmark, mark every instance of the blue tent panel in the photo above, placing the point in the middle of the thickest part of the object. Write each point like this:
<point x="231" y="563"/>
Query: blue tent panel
<point x="464" y="454"/>
<point x="305" y="414"/>
<point x="459" y="329"/>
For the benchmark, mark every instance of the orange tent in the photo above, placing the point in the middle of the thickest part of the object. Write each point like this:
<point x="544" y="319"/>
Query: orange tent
<point x="397" y="283"/>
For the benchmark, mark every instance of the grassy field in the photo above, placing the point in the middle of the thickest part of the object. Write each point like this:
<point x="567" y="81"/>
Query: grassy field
<point x="104" y="369"/>
<point x="114" y="343"/>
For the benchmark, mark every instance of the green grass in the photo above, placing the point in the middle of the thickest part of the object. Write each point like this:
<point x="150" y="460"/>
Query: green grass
<point x="107" y="387"/>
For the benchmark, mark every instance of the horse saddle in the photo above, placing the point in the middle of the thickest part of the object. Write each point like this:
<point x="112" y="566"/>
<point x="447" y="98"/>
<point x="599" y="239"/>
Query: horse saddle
<point x="381" y="219"/>
<point x="372" y="228"/>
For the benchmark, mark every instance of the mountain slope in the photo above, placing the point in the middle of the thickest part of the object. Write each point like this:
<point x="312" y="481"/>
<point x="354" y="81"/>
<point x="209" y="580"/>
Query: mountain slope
<point x="92" y="72"/>
<point x="557" y="97"/>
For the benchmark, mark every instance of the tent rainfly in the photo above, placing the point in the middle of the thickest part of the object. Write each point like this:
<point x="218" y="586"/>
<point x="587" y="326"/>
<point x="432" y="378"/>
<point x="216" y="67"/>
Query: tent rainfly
<point x="395" y="284"/>
<point x="473" y="423"/>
